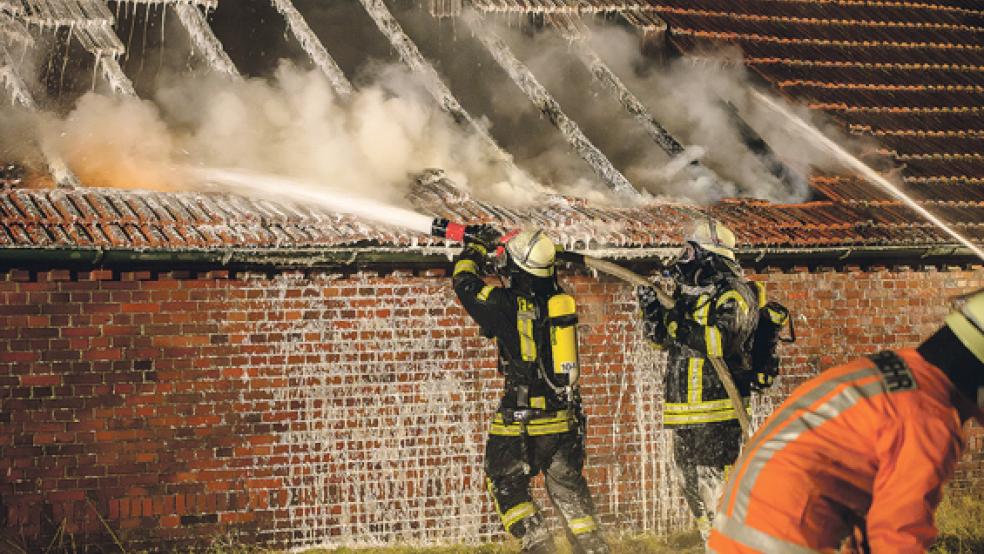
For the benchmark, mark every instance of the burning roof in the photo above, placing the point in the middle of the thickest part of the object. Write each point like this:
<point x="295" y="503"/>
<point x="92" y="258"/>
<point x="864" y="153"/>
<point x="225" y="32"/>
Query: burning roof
<point x="132" y="220"/>
<point x="906" y="74"/>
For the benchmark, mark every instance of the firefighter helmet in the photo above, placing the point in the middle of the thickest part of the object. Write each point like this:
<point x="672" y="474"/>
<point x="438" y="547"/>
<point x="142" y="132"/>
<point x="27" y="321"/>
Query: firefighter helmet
<point x="713" y="237"/>
<point x="533" y="252"/>
<point x="967" y="323"/>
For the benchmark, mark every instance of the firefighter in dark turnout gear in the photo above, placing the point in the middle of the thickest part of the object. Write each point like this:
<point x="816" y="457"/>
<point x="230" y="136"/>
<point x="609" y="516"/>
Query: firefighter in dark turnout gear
<point x="715" y="314"/>
<point x="538" y="425"/>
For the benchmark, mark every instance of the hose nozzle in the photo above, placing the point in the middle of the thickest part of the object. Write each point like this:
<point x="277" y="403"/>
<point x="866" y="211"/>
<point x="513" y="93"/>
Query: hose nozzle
<point x="458" y="232"/>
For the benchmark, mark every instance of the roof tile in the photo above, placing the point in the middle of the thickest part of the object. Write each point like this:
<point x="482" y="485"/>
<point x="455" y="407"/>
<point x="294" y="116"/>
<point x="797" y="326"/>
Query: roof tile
<point x="224" y="221"/>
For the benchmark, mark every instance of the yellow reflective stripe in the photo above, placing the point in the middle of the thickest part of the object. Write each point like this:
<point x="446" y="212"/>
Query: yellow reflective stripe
<point x="700" y="314"/>
<point x="778" y="318"/>
<point x="582" y="525"/>
<point x="524" y="324"/>
<point x="538" y="402"/>
<point x="527" y="345"/>
<point x="465" y="266"/>
<point x="704" y="412"/>
<point x="478" y="248"/>
<point x="732" y="295"/>
<point x="552" y="429"/>
<point x="536" y="427"/>
<point x="517" y="513"/>
<point x="760" y="289"/>
<point x="501" y="430"/>
<point x="483" y="295"/>
<point x="712" y="337"/>
<point x="709" y="406"/>
<point x="710" y="417"/>
<point x="695" y="380"/>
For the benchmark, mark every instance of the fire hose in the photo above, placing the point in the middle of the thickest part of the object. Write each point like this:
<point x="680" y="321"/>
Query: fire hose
<point x="276" y="188"/>
<point x="455" y="231"/>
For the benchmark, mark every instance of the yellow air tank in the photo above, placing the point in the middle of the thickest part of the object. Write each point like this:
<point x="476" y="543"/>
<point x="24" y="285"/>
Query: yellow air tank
<point x="563" y="336"/>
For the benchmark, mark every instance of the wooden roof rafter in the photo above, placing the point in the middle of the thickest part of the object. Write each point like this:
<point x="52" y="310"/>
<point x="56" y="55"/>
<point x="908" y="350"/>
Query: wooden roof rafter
<point x="857" y="129"/>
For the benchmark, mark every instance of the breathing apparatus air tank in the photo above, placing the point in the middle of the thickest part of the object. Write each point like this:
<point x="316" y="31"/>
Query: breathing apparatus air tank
<point x="562" y="312"/>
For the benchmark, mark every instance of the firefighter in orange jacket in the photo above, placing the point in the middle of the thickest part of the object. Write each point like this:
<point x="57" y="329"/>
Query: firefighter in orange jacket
<point x="867" y="445"/>
<point x="538" y="426"/>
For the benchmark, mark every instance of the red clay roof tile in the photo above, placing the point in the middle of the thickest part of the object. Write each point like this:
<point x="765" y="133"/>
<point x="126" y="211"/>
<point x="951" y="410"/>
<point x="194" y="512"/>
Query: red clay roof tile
<point x="907" y="73"/>
<point x="236" y="222"/>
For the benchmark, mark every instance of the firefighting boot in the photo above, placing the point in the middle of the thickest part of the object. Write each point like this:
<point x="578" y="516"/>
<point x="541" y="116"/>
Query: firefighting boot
<point x="704" y="526"/>
<point x="538" y="541"/>
<point x="591" y="543"/>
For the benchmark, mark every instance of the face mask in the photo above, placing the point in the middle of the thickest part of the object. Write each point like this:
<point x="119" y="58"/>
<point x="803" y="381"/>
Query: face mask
<point x="687" y="255"/>
<point x="688" y="266"/>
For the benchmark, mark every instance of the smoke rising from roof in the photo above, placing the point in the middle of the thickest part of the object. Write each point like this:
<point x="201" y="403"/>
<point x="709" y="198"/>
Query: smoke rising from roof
<point x="292" y="124"/>
<point x="689" y="96"/>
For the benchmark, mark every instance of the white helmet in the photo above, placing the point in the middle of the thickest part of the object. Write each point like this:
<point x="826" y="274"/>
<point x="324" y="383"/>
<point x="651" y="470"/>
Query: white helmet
<point x="533" y="252"/>
<point x="967" y="323"/>
<point x="714" y="237"/>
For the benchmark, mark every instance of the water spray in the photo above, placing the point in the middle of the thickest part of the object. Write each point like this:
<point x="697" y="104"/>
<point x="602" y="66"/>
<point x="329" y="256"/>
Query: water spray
<point x="851" y="161"/>
<point x="275" y="188"/>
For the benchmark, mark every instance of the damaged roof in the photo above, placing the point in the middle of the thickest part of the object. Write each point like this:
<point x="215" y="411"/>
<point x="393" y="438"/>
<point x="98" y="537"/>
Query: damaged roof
<point x="907" y="74"/>
<point x="137" y="220"/>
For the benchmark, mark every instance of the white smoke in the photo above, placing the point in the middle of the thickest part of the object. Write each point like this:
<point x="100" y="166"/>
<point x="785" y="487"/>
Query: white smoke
<point x="372" y="142"/>
<point x="291" y="125"/>
<point x="689" y="96"/>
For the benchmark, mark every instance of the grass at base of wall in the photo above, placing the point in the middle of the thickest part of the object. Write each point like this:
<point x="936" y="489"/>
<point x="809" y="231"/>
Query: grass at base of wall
<point x="680" y="543"/>
<point x="959" y="520"/>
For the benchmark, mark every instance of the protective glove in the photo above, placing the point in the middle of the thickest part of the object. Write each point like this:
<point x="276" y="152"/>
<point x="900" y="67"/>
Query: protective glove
<point x="488" y="235"/>
<point x="763" y="380"/>
<point x="484" y="236"/>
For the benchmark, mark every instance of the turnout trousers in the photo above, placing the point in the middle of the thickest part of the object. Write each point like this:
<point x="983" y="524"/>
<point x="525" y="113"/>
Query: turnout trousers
<point x="511" y="461"/>
<point x="703" y="456"/>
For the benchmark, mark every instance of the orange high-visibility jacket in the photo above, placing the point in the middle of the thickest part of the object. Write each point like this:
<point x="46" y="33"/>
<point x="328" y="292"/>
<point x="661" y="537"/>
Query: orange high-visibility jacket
<point x="851" y="447"/>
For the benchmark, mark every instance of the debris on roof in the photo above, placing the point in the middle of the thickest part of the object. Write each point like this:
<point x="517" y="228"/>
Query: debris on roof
<point x="117" y="219"/>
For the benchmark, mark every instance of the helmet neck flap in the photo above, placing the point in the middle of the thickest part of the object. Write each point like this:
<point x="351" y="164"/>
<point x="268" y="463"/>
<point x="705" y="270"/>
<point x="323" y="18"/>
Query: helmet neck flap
<point x="957" y="349"/>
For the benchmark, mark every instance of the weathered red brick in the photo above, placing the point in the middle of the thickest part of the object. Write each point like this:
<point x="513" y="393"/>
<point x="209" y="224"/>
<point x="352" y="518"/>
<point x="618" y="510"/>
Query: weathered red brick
<point x="204" y="407"/>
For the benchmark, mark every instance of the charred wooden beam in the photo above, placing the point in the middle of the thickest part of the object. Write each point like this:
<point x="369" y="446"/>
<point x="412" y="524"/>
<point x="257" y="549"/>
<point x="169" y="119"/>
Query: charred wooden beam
<point x="541" y="98"/>
<point x="412" y="57"/>
<point x="313" y="46"/>
<point x="205" y="41"/>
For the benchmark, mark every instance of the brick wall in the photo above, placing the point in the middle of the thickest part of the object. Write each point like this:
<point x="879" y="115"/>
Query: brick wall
<point x="319" y="408"/>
